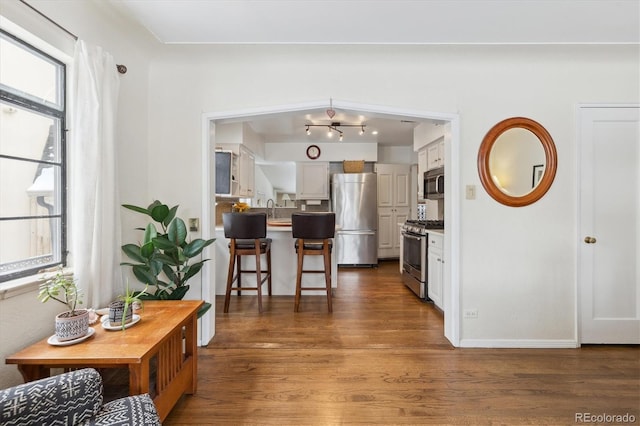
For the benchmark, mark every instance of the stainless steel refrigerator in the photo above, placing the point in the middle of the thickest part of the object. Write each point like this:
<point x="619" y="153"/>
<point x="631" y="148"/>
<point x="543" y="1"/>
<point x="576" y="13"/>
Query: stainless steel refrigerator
<point x="354" y="199"/>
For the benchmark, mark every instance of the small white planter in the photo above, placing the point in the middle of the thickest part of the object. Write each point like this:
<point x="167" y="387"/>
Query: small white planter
<point x="70" y="328"/>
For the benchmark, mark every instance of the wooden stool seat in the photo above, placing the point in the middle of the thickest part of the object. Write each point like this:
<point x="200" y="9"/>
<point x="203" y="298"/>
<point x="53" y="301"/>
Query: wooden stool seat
<point x="313" y="233"/>
<point x="247" y="233"/>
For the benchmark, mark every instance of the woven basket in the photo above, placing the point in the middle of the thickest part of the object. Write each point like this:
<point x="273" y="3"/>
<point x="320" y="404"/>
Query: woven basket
<point x="353" y="166"/>
<point x="222" y="207"/>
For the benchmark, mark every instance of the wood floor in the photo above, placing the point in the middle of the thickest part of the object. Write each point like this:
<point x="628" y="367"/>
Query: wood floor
<point x="381" y="358"/>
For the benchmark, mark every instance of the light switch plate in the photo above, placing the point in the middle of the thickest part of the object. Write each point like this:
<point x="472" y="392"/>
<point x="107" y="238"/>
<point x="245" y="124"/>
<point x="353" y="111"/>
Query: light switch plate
<point x="194" y="224"/>
<point x="471" y="192"/>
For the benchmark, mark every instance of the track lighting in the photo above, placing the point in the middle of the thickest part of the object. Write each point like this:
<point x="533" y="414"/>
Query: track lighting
<point x="333" y="127"/>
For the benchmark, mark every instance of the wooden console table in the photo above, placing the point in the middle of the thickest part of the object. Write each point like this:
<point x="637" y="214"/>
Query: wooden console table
<point x="167" y="330"/>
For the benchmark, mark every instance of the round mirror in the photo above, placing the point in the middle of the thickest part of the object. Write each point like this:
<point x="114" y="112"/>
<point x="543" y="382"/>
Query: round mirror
<point x="517" y="161"/>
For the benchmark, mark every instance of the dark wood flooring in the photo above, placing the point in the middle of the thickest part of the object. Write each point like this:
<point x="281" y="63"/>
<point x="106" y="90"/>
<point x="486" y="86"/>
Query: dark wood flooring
<point x="381" y="358"/>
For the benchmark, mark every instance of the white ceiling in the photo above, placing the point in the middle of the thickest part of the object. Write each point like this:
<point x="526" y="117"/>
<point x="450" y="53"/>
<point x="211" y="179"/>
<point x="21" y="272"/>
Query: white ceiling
<point x="379" y="22"/>
<point x="382" y="129"/>
<point x="387" y="21"/>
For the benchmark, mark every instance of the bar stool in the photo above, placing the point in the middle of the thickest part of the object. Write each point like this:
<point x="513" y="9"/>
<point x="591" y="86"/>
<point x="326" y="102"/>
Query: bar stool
<point x="247" y="232"/>
<point x="313" y="233"/>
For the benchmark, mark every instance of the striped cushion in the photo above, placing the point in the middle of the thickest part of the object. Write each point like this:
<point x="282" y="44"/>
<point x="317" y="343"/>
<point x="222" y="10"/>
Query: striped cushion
<point x="132" y="410"/>
<point x="65" y="399"/>
<point x="73" y="398"/>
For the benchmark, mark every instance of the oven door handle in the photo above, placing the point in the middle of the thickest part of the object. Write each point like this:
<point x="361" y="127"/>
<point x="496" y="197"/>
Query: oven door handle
<point x="413" y="237"/>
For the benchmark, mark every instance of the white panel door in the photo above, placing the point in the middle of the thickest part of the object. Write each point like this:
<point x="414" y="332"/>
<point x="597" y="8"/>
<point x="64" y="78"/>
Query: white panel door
<point x="385" y="228"/>
<point x="400" y="215"/>
<point x="402" y="193"/>
<point x="609" y="230"/>
<point x="385" y="185"/>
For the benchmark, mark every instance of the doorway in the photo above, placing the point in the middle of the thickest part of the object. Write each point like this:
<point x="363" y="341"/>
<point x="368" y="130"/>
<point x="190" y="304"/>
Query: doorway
<point x="452" y="207"/>
<point x="609" y="225"/>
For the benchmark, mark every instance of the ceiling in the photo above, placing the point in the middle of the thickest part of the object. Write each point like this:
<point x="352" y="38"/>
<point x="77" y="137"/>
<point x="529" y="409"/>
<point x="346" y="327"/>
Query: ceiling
<point x="387" y="21"/>
<point x="383" y="129"/>
<point x="378" y="22"/>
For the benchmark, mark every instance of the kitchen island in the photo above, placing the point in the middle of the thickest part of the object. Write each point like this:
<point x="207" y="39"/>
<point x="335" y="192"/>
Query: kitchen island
<point x="284" y="264"/>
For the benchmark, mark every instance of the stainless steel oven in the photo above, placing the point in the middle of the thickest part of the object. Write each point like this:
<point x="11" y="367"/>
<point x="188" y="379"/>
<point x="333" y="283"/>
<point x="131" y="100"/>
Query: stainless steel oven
<point x="414" y="254"/>
<point x="414" y="263"/>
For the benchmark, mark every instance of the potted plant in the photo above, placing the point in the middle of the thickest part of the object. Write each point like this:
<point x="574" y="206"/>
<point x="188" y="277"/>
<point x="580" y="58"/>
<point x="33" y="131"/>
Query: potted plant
<point x="71" y="324"/>
<point x="121" y="310"/>
<point x="163" y="259"/>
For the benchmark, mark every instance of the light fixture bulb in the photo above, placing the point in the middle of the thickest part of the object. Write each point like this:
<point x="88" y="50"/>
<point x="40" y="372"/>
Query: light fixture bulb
<point x="308" y="131"/>
<point x="340" y="137"/>
<point x="362" y="131"/>
<point x="329" y="133"/>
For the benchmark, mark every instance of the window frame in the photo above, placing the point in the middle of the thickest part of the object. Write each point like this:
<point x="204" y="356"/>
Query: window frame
<point x="56" y="112"/>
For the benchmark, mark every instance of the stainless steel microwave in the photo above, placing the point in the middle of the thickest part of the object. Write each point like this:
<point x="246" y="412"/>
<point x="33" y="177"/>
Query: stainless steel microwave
<point x="434" y="184"/>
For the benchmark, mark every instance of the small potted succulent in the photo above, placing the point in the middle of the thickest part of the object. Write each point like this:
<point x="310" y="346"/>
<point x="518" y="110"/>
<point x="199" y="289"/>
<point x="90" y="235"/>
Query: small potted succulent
<point x="121" y="310"/>
<point x="74" y="323"/>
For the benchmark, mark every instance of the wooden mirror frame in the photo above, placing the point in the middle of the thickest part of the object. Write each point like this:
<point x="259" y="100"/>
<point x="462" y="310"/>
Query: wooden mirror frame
<point x="551" y="161"/>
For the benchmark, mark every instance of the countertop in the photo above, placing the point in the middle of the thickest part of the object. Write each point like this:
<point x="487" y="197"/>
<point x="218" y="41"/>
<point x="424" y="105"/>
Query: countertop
<point x="278" y="228"/>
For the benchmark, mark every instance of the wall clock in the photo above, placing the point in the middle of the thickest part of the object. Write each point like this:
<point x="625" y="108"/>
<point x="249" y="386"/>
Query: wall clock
<point x="313" y="152"/>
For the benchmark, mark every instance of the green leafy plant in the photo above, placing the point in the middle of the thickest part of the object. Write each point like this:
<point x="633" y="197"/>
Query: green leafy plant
<point x="129" y="298"/>
<point x="63" y="289"/>
<point x="163" y="258"/>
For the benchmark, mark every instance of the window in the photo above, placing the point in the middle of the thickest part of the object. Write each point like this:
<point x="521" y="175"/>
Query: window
<point x="32" y="159"/>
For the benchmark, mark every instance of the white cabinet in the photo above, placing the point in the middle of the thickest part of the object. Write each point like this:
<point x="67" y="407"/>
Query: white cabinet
<point x="226" y="173"/>
<point x="422" y="167"/>
<point x="393" y="185"/>
<point x="247" y="172"/>
<point x="312" y="181"/>
<point x="235" y="171"/>
<point x="435" y="268"/>
<point x="389" y="236"/>
<point x="435" y="154"/>
<point x="394" y="203"/>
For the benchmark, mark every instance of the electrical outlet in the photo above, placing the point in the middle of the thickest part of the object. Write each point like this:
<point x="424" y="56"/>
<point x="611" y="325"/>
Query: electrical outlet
<point x="471" y="313"/>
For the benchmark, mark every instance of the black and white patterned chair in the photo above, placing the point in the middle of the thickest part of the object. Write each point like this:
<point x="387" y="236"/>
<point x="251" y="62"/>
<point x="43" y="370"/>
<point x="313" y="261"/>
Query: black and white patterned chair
<point x="73" y="398"/>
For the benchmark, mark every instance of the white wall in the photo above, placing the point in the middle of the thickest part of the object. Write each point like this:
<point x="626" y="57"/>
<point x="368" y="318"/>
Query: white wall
<point x="328" y="152"/>
<point x="517" y="264"/>
<point x="397" y="154"/>
<point x="23" y="319"/>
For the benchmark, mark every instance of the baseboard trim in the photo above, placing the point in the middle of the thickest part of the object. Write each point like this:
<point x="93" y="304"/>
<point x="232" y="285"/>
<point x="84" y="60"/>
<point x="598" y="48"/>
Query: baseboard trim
<point x="518" y="343"/>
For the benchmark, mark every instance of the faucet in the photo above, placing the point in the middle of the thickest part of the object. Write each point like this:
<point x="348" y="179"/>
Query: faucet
<point x="273" y="208"/>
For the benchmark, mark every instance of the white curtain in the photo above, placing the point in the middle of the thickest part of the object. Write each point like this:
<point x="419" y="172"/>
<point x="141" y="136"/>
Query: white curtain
<point x="94" y="206"/>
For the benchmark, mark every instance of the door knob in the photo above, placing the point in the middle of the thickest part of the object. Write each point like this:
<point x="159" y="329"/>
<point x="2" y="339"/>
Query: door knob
<point x="589" y="240"/>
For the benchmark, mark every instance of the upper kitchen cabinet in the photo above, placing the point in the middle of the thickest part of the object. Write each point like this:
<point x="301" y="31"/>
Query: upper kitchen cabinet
<point x="226" y="173"/>
<point x="247" y="173"/>
<point x="312" y="181"/>
<point x="235" y="171"/>
<point x="435" y="154"/>
<point x="393" y="185"/>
